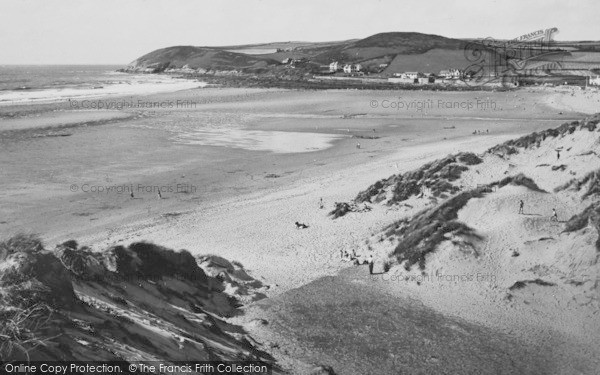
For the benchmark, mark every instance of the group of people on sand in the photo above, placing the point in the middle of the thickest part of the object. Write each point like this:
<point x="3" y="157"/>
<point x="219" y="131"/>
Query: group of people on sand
<point x="481" y="131"/>
<point x="356" y="260"/>
<point x="554" y="216"/>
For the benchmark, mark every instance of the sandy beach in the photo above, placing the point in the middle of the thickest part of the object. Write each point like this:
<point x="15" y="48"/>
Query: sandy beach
<point x="237" y="167"/>
<point x="49" y="158"/>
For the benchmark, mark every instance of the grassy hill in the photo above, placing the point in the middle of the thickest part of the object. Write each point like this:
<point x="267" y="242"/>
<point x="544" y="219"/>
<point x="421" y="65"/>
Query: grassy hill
<point x="198" y="57"/>
<point x="379" y="48"/>
<point x="431" y="61"/>
<point x="401" y="51"/>
<point x="387" y="45"/>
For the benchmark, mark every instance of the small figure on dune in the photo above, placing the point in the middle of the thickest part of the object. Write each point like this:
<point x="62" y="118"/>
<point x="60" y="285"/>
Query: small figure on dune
<point x="131" y="195"/>
<point x="301" y="225"/>
<point x="370" y="262"/>
<point x="357" y="145"/>
<point x="321" y="204"/>
<point x="159" y="195"/>
<point x="554" y="216"/>
<point x="521" y="204"/>
<point x="557" y="154"/>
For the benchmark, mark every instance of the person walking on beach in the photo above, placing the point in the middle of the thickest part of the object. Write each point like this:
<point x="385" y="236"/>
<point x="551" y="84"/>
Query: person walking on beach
<point x="357" y="145"/>
<point x="159" y="194"/>
<point x="321" y="205"/>
<point x="557" y="154"/>
<point x="131" y="195"/>
<point x="554" y="216"/>
<point x="521" y="204"/>
<point x="370" y="263"/>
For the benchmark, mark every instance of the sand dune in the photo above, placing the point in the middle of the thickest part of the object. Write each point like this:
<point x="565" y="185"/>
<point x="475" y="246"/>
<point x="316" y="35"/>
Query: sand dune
<point x="520" y="275"/>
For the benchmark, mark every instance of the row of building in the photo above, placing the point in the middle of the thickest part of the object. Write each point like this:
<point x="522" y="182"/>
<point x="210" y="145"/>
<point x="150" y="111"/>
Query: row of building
<point x="346" y="68"/>
<point x="447" y="74"/>
<point x="355" y="68"/>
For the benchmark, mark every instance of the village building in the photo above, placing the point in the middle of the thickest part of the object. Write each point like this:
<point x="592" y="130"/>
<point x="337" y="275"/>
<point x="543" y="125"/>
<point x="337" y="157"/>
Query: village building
<point x="352" y="68"/>
<point x="410" y="75"/>
<point x="451" y="74"/>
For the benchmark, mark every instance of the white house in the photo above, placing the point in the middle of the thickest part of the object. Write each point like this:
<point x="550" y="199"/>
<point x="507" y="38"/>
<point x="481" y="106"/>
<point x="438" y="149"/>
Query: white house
<point x="410" y="75"/>
<point x="451" y="73"/>
<point x="334" y="66"/>
<point x="595" y="81"/>
<point x="352" y="68"/>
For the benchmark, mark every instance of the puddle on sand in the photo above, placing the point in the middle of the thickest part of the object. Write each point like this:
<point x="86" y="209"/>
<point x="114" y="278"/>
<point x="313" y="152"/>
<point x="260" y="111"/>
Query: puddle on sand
<point x="259" y="140"/>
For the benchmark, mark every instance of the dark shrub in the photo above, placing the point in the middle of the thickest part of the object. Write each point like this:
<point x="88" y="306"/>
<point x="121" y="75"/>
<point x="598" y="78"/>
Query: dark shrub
<point x="150" y="261"/>
<point x="341" y="209"/>
<point x="469" y="158"/>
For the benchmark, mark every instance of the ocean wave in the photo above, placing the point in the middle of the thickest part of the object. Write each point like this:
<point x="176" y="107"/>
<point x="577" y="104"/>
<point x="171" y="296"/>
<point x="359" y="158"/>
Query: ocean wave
<point x="60" y="92"/>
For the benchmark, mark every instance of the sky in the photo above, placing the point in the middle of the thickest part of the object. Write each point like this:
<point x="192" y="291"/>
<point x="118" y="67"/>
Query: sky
<point x="119" y="31"/>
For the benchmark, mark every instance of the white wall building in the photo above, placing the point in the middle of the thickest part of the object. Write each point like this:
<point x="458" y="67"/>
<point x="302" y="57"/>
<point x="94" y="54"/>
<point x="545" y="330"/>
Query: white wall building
<point x="451" y="73"/>
<point x="352" y="68"/>
<point x="410" y="75"/>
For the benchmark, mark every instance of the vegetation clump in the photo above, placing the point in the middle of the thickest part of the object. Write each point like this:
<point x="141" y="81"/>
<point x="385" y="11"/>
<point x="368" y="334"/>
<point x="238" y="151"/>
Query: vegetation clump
<point x="523" y="284"/>
<point x="591" y="215"/>
<point x="591" y="183"/>
<point x="421" y="234"/>
<point x="519" y="180"/>
<point x="535" y="139"/>
<point x="436" y="176"/>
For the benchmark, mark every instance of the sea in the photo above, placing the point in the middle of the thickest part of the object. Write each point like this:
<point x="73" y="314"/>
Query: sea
<point x="22" y="84"/>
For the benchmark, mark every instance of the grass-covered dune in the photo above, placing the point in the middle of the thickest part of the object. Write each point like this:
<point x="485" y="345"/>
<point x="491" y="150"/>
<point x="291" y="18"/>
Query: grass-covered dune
<point x="135" y="302"/>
